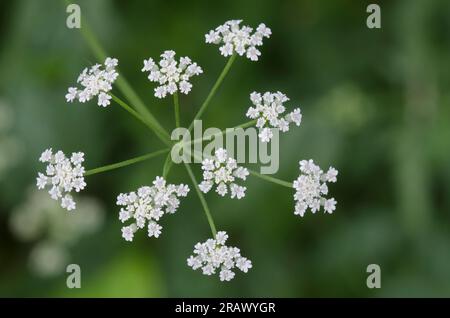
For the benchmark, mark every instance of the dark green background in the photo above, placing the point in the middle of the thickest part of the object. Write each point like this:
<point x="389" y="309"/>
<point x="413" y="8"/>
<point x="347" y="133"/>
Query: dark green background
<point x="375" y="105"/>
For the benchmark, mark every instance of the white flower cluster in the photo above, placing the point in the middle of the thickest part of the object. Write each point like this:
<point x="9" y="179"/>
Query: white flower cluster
<point x="223" y="170"/>
<point x="238" y="39"/>
<point x="171" y="75"/>
<point x="214" y="255"/>
<point x="311" y="186"/>
<point x="96" y="81"/>
<point x="63" y="175"/>
<point x="149" y="204"/>
<point x="268" y="108"/>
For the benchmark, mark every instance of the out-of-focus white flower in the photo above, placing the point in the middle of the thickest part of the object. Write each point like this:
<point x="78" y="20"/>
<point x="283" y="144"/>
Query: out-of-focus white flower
<point x="267" y="111"/>
<point x="147" y="205"/>
<point x="214" y="256"/>
<point x="95" y="81"/>
<point x="48" y="259"/>
<point x="63" y="175"/>
<point x="311" y="188"/>
<point x="39" y="219"/>
<point x="222" y="170"/>
<point x="242" y="40"/>
<point x="170" y="74"/>
<point x="40" y="216"/>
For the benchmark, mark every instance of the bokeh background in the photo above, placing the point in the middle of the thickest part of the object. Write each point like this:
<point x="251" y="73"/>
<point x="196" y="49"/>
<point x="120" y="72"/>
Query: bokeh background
<point x="375" y="105"/>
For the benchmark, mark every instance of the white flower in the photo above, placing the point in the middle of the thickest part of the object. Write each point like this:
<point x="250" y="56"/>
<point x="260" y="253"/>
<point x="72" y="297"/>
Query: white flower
<point x="46" y="156"/>
<point x="67" y="202"/>
<point x="213" y="255"/>
<point x="154" y="229"/>
<point x="265" y="134"/>
<point x="71" y="94"/>
<point x="103" y="99"/>
<point x="311" y="188"/>
<point x="172" y="76"/>
<point x="243" y="264"/>
<point x="128" y="232"/>
<point x="111" y="63"/>
<point x="330" y="205"/>
<point x="149" y="204"/>
<point x="267" y="111"/>
<point x="63" y="175"/>
<point x="222" y="170"/>
<point x="41" y="181"/>
<point x="226" y="275"/>
<point x="95" y="81"/>
<point x="240" y="40"/>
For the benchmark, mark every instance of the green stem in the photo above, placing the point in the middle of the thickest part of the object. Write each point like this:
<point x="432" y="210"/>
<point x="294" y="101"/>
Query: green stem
<point x="270" y="179"/>
<point x="213" y="90"/>
<point x="167" y="165"/>
<point x="176" y="105"/>
<point x="195" y="141"/>
<point x="126" y="162"/>
<point x="122" y="83"/>
<point x="202" y="200"/>
<point x="138" y="116"/>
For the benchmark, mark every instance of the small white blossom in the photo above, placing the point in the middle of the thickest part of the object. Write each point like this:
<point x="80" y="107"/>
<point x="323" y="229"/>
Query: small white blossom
<point x="103" y="99"/>
<point x="128" y="232"/>
<point x="63" y="175"/>
<point x="267" y="111"/>
<point x="214" y="256"/>
<point x="154" y="229"/>
<point x="95" y="81"/>
<point x="172" y="76"/>
<point x="149" y="204"/>
<point x="67" y="202"/>
<point x="311" y="188"/>
<point x="222" y="171"/>
<point x="234" y="38"/>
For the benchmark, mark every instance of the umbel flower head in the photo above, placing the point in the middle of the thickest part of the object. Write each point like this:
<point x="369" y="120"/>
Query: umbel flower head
<point x="62" y="175"/>
<point x="148" y="205"/>
<point x="237" y="39"/>
<point x="311" y="187"/>
<point x="268" y="111"/>
<point x="222" y="171"/>
<point x="95" y="81"/>
<point x="172" y="75"/>
<point x="214" y="256"/>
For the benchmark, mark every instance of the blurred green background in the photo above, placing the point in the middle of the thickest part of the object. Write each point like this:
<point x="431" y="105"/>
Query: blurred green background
<point x="375" y="105"/>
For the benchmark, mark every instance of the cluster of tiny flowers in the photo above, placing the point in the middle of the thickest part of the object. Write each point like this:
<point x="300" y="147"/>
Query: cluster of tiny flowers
<point x="96" y="81"/>
<point x="63" y="175"/>
<point x="148" y="205"/>
<point x="268" y="109"/>
<point x="214" y="255"/>
<point x="311" y="187"/>
<point x="238" y="39"/>
<point x="171" y="75"/>
<point x="223" y="170"/>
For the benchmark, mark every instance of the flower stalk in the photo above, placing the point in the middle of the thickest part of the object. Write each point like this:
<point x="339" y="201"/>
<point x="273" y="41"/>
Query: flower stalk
<point x="270" y="179"/>
<point x="125" y="162"/>
<point x="202" y="200"/>
<point x="213" y="90"/>
<point x="176" y="106"/>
